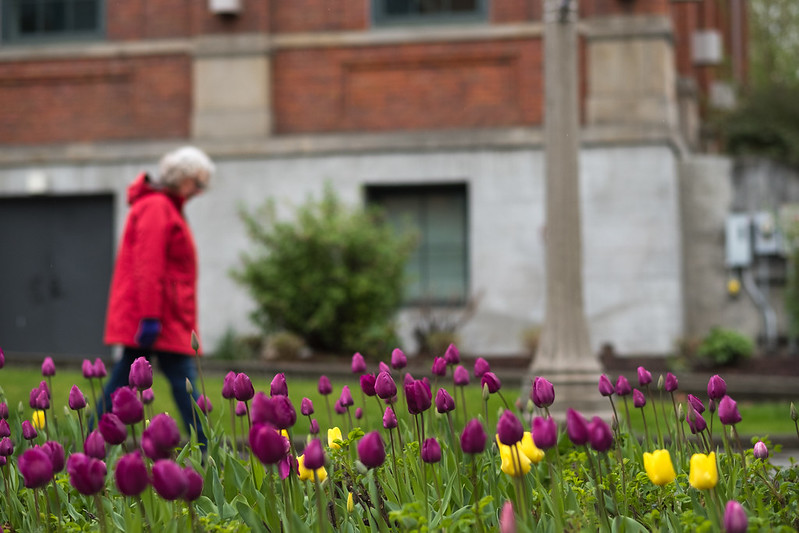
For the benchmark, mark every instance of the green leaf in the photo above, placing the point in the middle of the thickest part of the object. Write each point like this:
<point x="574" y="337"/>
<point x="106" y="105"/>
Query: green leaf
<point x="250" y="518"/>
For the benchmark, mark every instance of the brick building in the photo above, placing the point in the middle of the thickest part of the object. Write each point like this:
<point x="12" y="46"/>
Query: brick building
<point x="433" y="109"/>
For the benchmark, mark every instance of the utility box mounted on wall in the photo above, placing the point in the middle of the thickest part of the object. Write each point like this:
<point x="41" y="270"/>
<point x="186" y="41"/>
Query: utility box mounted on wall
<point x="738" y="241"/>
<point x="707" y="47"/>
<point x="224" y="7"/>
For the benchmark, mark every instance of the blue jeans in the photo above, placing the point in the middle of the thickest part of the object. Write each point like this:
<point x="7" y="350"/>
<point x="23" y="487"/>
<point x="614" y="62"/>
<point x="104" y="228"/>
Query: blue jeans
<point x="176" y="367"/>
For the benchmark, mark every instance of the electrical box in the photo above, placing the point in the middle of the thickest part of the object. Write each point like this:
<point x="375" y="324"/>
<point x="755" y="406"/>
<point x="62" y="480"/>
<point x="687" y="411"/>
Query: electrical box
<point x="707" y="47"/>
<point x="767" y="235"/>
<point x="738" y="241"/>
<point x="224" y="7"/>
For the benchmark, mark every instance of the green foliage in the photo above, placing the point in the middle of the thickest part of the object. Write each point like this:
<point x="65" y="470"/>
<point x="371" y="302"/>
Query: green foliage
<point x="724" y="347"/>
<point x="232" y="346"/>
<point x="790" y="231"/>
<point x="334" y="275"/>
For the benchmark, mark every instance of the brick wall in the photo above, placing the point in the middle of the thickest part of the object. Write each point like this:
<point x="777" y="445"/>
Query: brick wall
<point x="86" y="100"/>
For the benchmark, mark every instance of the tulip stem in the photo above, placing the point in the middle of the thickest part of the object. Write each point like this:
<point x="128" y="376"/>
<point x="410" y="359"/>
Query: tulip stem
<point x="133" y="434"/>
<point x="521" y="494"/>
<point x="615" y="417"/>
<point x="475" y="495"/>
<point x="677" y="425"/>
<point x="197" y="358"/>
<point x="399" y="433"/>
<point x="365" y="416"/>
<point x="329" y="414"/>
<point x="655" y="413"/>
<point x="8" y="492"/>
<point x="101" y="510"/>
<point x="58" y="501"/>
<point x="740" y="447"/>
<point x="319" y="506"/>
<point x="646" y="428"/>
<point x="627" y="411"/>
<point x="235" y="443"/>
<point x="394" y="461"/>
<point x="80" y="421"/>
<point x="144" y="513"/>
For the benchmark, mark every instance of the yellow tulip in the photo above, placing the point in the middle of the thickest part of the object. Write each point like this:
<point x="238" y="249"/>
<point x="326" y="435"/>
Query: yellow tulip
<point x="658" y="467"/>
<point x="333" y="434"/>
<point x="285" y="433"/>
<point x="509" y="460"/>
<point x="350" y="503"/>
<point x="306" y="474"/>
<point x="37" y="419"/>
<point x="528" y="448"/>
<point x="703" y="474"/>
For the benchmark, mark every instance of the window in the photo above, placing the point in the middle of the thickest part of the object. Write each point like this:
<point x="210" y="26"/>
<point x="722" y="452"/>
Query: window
<point x="437" y="271"/>
<point x="423" y="11"/>
<point x="50" y="20"/>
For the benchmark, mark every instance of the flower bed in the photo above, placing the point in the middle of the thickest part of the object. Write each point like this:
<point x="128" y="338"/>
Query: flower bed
<point x="431" y="463"/>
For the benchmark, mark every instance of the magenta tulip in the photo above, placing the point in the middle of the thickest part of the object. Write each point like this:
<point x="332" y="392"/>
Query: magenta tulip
<point x="600" y="435"/>
<point x="127" y="406"/>
<point x="644" y="376"/>
<point x="735" y="519"/>
<point x="88" y="369"/>
<point x="169" y="480"/>
<point x="452" y="356"/>
<point x="48" y="367"/>
<point x="279" y="387"/>
<point x="444" y="402"/>
<point x="385" y="387"/>
<point x="86" y="474"/>
<point x="306" y="407"/>
<point x="324" y="387"/>
<point x="368" y="384"/>
<point x="473" y="438"/>
<point x="76" y="398"/>
<point x="227" y="386"/>
<point x="112" y="429"/>
<point x="398" y="359"/>
<point x="56" y="453"/>
<point x="242" y="388"/>
<point x="542" y="393"/>
<point x="267" y="444"/>
<point x="728" y="411"/>
<point x="94" y="445"/>
<point x="639" y="400"/>
<point x="141" y="374"/>
<point x="623" y="386"/>
<point x="431" y="451"/>
<point x="99" y="370"/>
<point x="439" y="367"/>
<point x="716" y="388"/>
<point x="358" y="364"/>
<point x="371" y="451"/>
<point x="460" y="376"/>
<point x="194" y="484"/>
<point x="36" y="468"/>
<point x="481" y="366"/>
<point x="28" y="431"/>
<point x="576" y="427"/>
<point x="760" y="450"/>
<point x="490" y="380"/>
<point x="545" y="432"/>
<point x="389" y="419"/>
<point x="131" y="474"/>
<point x="605" y="386"/>
<point x="314" y="455"/>
<point x="671" y="384"/>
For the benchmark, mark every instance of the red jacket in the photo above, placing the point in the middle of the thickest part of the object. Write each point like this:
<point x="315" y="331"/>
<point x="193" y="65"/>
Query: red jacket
<point x="155" y="275"/>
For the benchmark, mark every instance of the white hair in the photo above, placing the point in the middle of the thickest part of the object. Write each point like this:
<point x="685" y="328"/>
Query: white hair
<point x="185" y="162"/>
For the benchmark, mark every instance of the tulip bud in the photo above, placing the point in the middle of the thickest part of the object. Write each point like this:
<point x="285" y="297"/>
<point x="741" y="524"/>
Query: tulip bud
<point x="314" y="427"/>
<point x="431" y="451"/>
<point x="622" y="386"/>
<point x="703" y="473"/>
<point x="696" y="403"/>
<point x="28" y="431"/>
<point x="242" y="387"/>
<point x="358" y="365"/>
<point x="671" y="382"/>
<point x="35" y="467"/>
<point x="241" y="408"/>
<point x="794" y="414"/>
<point x="194" y="484"/>
<point x="760" y="450"/>
<point x="716" y="388"/>
<point x="486" y="393"/>
<point x="473" y="438"/>
<point x="371" y="451"/>
<point x="147" y="396"/>
<point x="439" y="367"/>
<point x="639" y="400"/>
<point x="314" y="455"/>
<point x="389" y="419"/>
<point x="306" y="407"/>
<point x="279" y="387"/>
<point x="86" y="474"/>
<point x="509" y="428"/>
<point x="735" y="519"/>
<point x="112" y="429"/>
<point x="695" y="421"/>
<point x="660" y="382"/>
<point x="88" y="369"/>
<point x="350" y="503"/>
<point x="493" y="382"/>
<point x="605" y="386"/>
<point x="269" y="446"/>
<point x="189" y="387"/>
<point x="5" y="429"/>
<point x="127" y="406"/>
<point x="283" y="412"/>
<point x="169" y="480"/>
<point x="444" y="402"/>
<point x="599" y="435"/>
<point x="227" y="386"/>
<point x="385" y="387"/>
<point x="542" y="393"/>
<point x="94" y="445"/>
<point x="481" y="366"/>
<point x="195" y="341"/>
<point x="48" y="367"/>
<point x="6" y="447"/>
<point x="382" y="367"/>
<point x="141" y="374"/>
<point x="99" y="368"/>
<point x="333" y="435"/>
<point x="55" y="452"/>
<point x="204" y="403"/>
<point x="346" y="396"/>
<point x="161" y="437"/>
<point x="3" y="411"/>
<point x="545" y="432"/>
<point x="398" y="359"/>
<point x="452" y="356"/>
<point x="460" y="376"/>
<point x="576" y="427"/>
<point x="507" y="520"/>
<point x="728" y="411"/>
<point x="368" y="384"/>
<point x="131" y="474"/>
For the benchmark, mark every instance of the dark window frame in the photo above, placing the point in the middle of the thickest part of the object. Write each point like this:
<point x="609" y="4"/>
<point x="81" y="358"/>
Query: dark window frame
<point x="10" y="18"/>
<point x="381" y="16"/>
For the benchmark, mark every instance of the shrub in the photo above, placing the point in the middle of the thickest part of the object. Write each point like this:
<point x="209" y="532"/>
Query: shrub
<point x="283" y="345"/>
<point x="232" y="346"/>
<point x="724" y="347"/>
<point x="333" y="275"/>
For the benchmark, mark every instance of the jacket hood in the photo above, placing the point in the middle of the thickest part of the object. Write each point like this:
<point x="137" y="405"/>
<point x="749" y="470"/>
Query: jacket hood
<point x="143" y="187"/>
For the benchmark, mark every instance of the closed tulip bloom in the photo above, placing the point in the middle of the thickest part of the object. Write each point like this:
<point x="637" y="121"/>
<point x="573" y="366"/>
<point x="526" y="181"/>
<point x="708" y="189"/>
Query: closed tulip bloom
<point x="48" y="367"/>
<point x="43" y="400"/>
<point x="28" y="431"/>
<point x="313" y="428"/>
<point x="460" y="376"/>
<point x="99" y="368"/>
<point x="605" y="386"/>
<point x="94" y="445"/>
<point x="452" y="356"/>
<point x="385" y="387"/>
<point x="398" y="359"/>
<point x="371" y="451"/>
<point x="267" y="444"/>
<point x="622" y="386"/>
<point x="671" y="382"/>
<point x="279" y="387"/>
<point x="760" y="450"/>
<point x="600" y="435"/>
<point x="735" y="519"/>
<point x="644" y="376"/>
<point x="444" y="402"/>
<point x="88" y="369"/>
<point x="169" y="480"/>
<point x="473" y="438"/>
<point x="306" y="407"/>
<point x="658" y="467"/>
<point x="194" y="484"/>
<point x="284" y="414"/>
<point x="127" y="406"/>
<point x="76" y="398"/>
<point x="509" y="428"/>
<point x="242" y="387"/>
<point x="490" y="380"/>
<point x="545" y="432"/>
<point x="358" y="413"/>
<point x="131" y="474"/>
<point x="696" y="403"/>
<point x="346" y="396"/>
<point x="507" y="520"/>
<point x="262" y="409"/>
<point x="2" y="358"/>
<point x="389" y="419"/>
<point x="56" y="453"/>
<point x="639" y="400"/>
<point x="716" y="388"/>
<point x="509" y="457"/>
<point x="3" y="410"/>
<point x="112" y="429"/>
<point x="368" y="384"/>
<point x="6" y="447"/>
<point x="314" y="455"/>
<point x="728" y="411"/>
<point x="333" y="435"/>
<point x="439" y="367"/>
<point x="5" y="429"/>
<point x="37" y="419"/>
<point x="703" y="473"/>
<point x="35" y="467"/>
<point x="339" y="408"/>
<point x="306" y="473"/>
<point x="481" y="366"/>
<point x="227" y="385"/>
<point x="147" y="396"/>
<point x="241" y="408"/>
<point x="382" y="367"/>
<point x="542" y="392"/>
<point x="431" y="451"/>
<point x="418" y="397"/>
<point x="163" y="437"/>
<point x="324" y="386"/>
<point x="576" y="427"/>
<point x="695" y="420"/>
<point x="204" y="403"/>
<point x="86" y="474"/>
<point x="141" y="374"/>
<point x="358" y="363"/>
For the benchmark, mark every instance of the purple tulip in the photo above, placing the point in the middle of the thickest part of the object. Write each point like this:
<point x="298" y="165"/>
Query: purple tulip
<point x="204" y="403"/>
<point x="99" y="368"/>
<point x="696" y="422"/>
<point x="94" y="445"/>
<point x="5" y="429"/>
<point x="600" y="435"/>
<point x="605" y="386"/>
<point x="127" y="406"/>
<point x="169" y="480"/>
<point x="242" y="388"/>
<point x="371" y="451"/>
<point x="644" y="376"/>
<point x="314" y="427"/>
<point x="481" y="366"/>
<point x="418" y="396"/>
<point x="382" y="367"/>
<point x="760" y="450"/>
<point x="491" y="381"/>
<point x="268" y="445"/>
<point x="141" y="374"/>
<point x="473" y="438"/>
<point x="439" y="367"/>
<point x="711" y="405"/>
<point x="545" y="432"/>
<point x="576" y="427"/>
<point x="339" y="408"/>
<point x="86" y="474"/>
<point x="728" y="411"/>
<point x="639" y="400"/>
<point x="2" y="358"/>
<point x="346" y="396"/>
<point x="131" y="474"/>
<point x="36" y="468"/>
<point x="279" y="387"/>
<point x="431" y="451"/>
<point x="112" y="429"/>
<point x="460" y="376"/>
<point x="735" y="519"/>
<point x="48" y="367"/>
<point x="147" y="396"/>
<point x="385" y="387"/>
<point x="284" y="415"/>
<point x="408" y="378"/>
<point x="452" y="356"/>
<point x="194" y="484"/>
<point x="696" y="403"/>
<point x="88" y="369"/>
<point x="241" y="408"/>
<point x="623" y="386"/>
<point x="358" y="413"/>
<point x="444" y="402"/>
<point x="542" y="393"/>
<point x="314" y="455"/>
<point x="398" y="359"/>
<point x="6" y="447"/>
<point x="389" y="419"/>
<point x="55" y="452"/>
<point x="161" y="437"/>
<point x="227" y="386"/>
<point x="716" y="388"/>
<point x="3" y="411"/>
<point x="28" y="431"/>
<point x="509" y="428"/>
<point x="286" y="465"/>
<point x="76" y="399"/>
<point x="306" y="407"/>
<point x="43" y="400"/>
<point x="368" y="384"/>
<point x="671" y="382"/>
<point x="324" y="387"/>
<point x="358" y="365"/>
